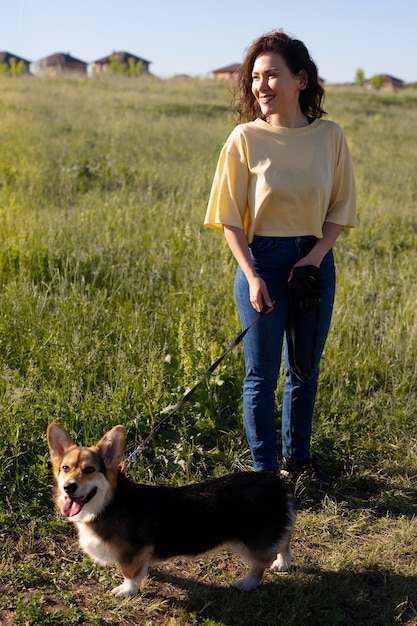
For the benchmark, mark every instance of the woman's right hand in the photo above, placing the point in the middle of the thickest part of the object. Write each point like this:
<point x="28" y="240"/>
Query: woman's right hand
<point x="238" y="244"/>
<point x="258" y="294"/>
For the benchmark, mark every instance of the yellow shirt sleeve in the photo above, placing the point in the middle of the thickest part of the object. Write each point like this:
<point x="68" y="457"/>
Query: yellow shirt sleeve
<point x="342" y="206"/>
<point x="228" y="201"/>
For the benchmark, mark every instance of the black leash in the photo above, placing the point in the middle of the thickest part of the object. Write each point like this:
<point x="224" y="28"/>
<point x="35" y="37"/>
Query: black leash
<point x="132" y="456"/>
<point x="304" y="297"/>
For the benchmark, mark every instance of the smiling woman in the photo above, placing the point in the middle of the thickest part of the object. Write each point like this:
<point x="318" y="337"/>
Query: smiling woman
<point x="282" y="193"/>
<point x="289" y="63"/>
<point x="277" y="91"/>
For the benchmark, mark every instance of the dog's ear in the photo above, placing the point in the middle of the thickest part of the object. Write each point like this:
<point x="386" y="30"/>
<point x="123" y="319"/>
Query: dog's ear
<point x="59" y="442"/>
<point x="112" y="445"/>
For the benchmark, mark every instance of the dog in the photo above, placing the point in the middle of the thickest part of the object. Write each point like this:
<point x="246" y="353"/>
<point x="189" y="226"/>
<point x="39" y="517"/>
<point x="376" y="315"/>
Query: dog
<point x="133" y="525"/>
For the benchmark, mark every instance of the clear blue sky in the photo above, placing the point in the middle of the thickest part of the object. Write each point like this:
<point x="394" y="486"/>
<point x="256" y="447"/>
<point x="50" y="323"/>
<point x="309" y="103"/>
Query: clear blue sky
<point x="194" y="37"/>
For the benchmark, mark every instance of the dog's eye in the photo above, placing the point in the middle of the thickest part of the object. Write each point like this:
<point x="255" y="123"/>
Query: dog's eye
<point x="89" y="469"/>
<point x="65" y="468"/>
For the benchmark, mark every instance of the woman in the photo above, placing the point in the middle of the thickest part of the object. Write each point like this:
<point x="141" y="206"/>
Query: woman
<point x="283" y="191"/>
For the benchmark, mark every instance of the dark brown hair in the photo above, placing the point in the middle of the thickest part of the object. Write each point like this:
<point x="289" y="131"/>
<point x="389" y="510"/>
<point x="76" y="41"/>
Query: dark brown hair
<point x="296" y="57"/>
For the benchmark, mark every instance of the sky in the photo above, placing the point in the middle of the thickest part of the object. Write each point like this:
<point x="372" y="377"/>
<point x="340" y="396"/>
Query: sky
<point x="195" y="37"/>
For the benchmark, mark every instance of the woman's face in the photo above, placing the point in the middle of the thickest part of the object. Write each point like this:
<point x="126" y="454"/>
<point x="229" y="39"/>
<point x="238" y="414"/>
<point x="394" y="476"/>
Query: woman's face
<point x="275" y="88"/>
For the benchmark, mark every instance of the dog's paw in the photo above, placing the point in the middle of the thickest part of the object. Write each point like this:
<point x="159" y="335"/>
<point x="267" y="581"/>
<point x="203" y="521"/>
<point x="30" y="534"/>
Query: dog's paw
<point x="282" y="563"/>
<point x="247" y="583"/>
<point x="127" y="590"/>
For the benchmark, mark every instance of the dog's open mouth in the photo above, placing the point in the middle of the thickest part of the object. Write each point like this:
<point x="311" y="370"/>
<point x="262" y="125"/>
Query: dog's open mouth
<point x="72" y="506"/>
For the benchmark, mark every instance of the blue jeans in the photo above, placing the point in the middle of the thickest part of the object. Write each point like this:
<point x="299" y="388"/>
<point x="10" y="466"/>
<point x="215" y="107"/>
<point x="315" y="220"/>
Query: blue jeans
<point x="273" y="259"/>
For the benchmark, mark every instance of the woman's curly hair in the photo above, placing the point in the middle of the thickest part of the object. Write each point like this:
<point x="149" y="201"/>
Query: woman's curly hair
<point x="296" y="57"/>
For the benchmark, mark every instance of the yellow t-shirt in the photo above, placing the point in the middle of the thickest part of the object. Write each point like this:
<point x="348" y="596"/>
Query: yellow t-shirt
<point x="283" y="182"/>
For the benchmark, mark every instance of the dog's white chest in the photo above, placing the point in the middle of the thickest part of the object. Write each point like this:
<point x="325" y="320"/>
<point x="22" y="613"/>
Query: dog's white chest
<point x="94" y="546"/>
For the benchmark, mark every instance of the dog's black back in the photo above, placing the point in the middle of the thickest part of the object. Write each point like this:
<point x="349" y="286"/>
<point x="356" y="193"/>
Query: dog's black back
<point x="248" y="507"/>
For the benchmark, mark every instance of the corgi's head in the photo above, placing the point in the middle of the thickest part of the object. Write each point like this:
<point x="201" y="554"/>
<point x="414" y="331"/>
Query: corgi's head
<point x="85" y="477"/>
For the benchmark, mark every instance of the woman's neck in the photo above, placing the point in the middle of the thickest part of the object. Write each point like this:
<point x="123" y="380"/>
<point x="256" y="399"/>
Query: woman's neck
<point x="295" y="120"/>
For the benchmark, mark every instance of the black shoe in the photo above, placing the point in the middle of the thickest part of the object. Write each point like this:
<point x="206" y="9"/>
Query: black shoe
<point x="309" y="469"/>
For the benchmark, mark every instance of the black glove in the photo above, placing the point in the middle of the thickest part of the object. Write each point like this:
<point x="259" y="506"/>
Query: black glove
<point x="305" y="288"/>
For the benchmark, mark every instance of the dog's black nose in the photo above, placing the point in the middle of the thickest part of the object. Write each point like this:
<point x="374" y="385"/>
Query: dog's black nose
<point x="70" y="488"/>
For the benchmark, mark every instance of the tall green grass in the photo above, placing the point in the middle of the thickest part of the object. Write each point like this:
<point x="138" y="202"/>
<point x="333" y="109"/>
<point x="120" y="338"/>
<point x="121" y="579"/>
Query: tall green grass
<point x="110" y="300"/>
<point x="114" y="298"/>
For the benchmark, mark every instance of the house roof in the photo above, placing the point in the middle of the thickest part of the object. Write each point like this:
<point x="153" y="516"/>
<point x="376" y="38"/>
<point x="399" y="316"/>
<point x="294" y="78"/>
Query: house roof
<point x="61" y="58"/>
<point x="387" y="79"/>
<point x="6" y="56"/>
<point x="228" y="69"/>
<point x="122" y="56"/>
<point x="393" y="78"/>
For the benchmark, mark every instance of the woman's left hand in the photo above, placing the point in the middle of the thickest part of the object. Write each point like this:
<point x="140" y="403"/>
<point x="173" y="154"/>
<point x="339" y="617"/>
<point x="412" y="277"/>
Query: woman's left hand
<point x="322" y="246"/>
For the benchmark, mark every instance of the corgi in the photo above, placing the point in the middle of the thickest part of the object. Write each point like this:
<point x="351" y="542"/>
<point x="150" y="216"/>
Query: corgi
<point x="133" y="525"/>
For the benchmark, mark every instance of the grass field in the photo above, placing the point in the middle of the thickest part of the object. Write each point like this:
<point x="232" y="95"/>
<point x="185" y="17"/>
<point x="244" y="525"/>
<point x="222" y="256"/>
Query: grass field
<point x="114" y="299"/>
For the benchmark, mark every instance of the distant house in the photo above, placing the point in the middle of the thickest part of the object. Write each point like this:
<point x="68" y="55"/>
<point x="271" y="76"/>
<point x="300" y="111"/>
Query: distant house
<point x="102" y="66"/>
<point x="226" y="73"/>
<point x="6" y="57"/>
<point x="390" y="83"/>
<point x="384" y="82"/>
<point x="59" y="64"/>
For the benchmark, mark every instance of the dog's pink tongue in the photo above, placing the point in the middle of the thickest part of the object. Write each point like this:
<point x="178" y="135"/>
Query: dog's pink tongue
<point x="71" y="507"/>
